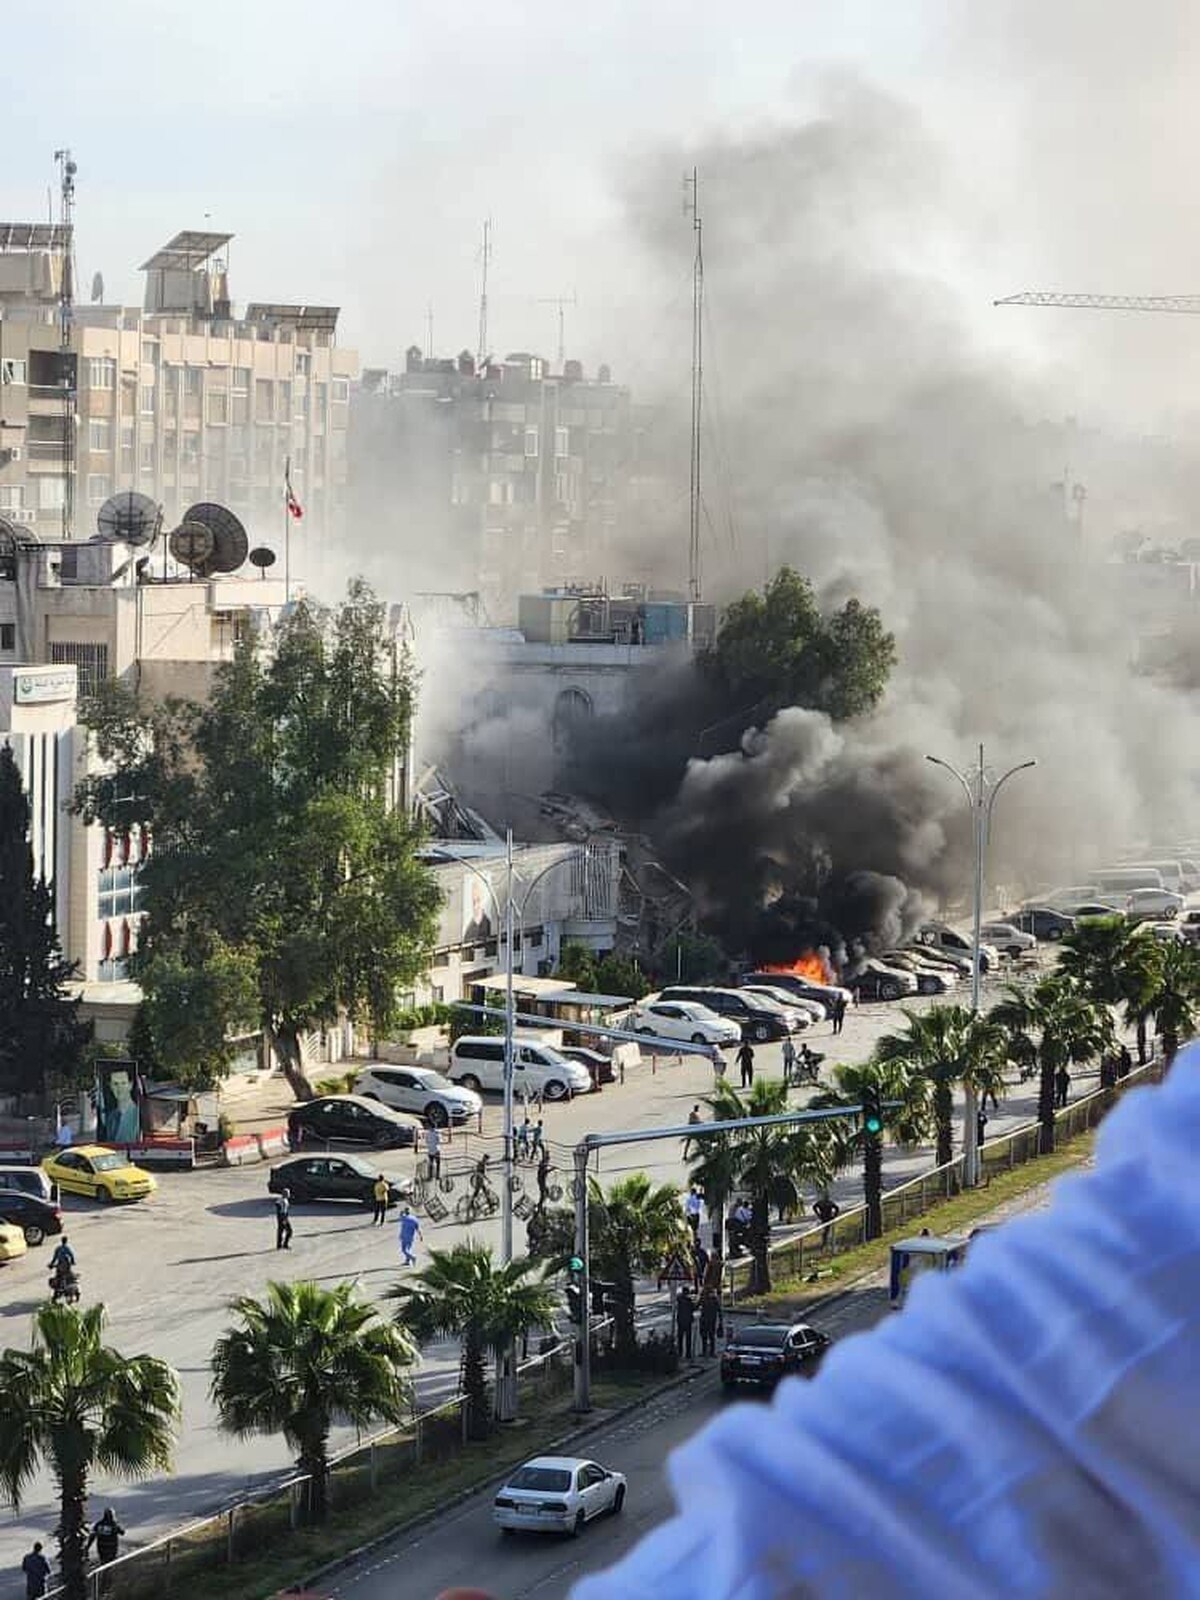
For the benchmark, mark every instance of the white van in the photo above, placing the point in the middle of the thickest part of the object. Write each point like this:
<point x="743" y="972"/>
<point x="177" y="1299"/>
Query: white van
<point x="1124" y="880"/>
<point x="1172" y="874"/>
<point x="477" y="1062"/>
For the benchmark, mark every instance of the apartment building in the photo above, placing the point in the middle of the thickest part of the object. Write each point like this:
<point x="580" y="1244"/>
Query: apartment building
<point x="183" y="398"/>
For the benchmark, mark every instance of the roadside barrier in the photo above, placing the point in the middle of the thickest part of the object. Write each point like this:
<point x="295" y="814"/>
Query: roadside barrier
<point x="272" y="1142"/>
<point x="241" y="1150"/>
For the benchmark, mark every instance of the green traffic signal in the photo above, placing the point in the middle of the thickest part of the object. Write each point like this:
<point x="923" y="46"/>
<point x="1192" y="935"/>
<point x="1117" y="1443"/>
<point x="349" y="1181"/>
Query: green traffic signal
<point x="872" y="1113"/>
<point x="873" y="1125"/>
<point x="575" y="1264"/>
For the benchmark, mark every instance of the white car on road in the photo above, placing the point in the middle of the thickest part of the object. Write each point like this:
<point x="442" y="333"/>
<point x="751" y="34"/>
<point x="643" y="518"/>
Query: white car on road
<point x="1149" y="905"/>
<point x="1012" y="941"/>
<point x="684" y="1019"/>
<point x="558" y="1494"/>
<point x="433" y="1098"/>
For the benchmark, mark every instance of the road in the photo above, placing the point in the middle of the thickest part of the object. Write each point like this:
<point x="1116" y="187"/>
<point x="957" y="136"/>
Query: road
<point x="166" y="1269"/>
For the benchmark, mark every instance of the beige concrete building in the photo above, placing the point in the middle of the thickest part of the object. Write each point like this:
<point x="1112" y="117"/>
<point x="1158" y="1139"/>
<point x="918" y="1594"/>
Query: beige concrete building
<point x="183" y="398"/>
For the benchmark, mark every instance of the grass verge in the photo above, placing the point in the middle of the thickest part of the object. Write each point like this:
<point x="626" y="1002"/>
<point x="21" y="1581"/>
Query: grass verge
<point x="957" y="1215"/>
<point x="292" y="1556"/>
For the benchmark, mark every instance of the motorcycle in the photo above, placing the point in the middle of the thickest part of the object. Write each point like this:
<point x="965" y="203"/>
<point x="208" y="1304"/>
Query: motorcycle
<point x="64" y="1285"/>
<point x="806" y="1068"/>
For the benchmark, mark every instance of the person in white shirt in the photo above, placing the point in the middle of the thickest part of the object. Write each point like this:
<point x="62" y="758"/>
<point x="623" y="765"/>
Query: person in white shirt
<point x="1026" y="1428"/>
<point x="433" y="1151"/>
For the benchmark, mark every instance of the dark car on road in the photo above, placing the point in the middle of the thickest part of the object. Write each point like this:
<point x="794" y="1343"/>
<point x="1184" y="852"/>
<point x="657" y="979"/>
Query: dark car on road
<point x="600" y="1066"/>
<point x="333" y="1178"/>
<point x="36" y="1218"/>
<point x="1043" y="922"/>
<point x="760" y="1355"/>
<point x="349" y="1119"/>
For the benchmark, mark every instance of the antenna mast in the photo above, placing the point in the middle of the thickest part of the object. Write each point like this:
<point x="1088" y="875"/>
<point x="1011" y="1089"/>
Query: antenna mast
<point x="66" y="315"/>
<point x="691" y="207"/>
<point x="562" y="302"/>
<point x="485" y="258"/>
<point x="429" y="331"/>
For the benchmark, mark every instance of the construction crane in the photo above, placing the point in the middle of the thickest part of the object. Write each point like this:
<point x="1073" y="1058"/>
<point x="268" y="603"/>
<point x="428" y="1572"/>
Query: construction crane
<point x="1185" y="303"/>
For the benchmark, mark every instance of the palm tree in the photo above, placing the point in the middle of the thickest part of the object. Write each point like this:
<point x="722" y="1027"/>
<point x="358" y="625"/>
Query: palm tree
<point x="463" y="1294"/>
<point x="300" y="1360"/>
<point x="77" y="1404"/>
<point x="1114" y="963"/>
<point x="633" y="1227"/>
<point x="946" y="1046"/>
<point x="1049" y="1027"/>
<point x="770" y="1163"/>
<point x="847" y="1141"/>
<point x="1174" y="994"/>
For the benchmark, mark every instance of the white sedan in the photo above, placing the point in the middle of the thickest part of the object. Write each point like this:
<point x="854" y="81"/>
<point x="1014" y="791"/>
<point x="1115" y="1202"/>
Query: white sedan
<point x="685" y="1019"/>
<point x="558" y="1494"/>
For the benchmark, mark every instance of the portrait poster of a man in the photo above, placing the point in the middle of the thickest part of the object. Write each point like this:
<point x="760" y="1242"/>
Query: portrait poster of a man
<point x="119" y="1106"/>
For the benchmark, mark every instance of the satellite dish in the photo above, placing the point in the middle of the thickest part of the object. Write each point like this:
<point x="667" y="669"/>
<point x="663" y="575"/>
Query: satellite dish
<point x="97" y="287"/>
<point x="192" y="544"/>
<point x="128" y="516"/>
<point x="261" y="557"/>
<point x="230" y="543"/>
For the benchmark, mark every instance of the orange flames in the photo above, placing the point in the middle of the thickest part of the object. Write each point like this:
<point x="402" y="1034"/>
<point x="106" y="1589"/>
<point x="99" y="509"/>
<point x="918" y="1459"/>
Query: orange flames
<point x="811" y="965"/>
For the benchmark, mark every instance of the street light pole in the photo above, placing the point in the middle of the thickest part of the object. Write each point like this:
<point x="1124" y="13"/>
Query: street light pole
<point x="981" y="792"/>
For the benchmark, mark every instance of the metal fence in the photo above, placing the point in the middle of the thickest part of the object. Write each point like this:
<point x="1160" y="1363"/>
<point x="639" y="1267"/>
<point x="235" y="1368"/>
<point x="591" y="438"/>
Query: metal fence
<point x="178" y="1562"/>
<point x="805" y="1253"/>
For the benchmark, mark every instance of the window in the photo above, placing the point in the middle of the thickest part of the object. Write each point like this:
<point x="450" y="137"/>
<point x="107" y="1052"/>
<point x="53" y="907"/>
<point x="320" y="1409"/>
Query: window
<point x="12" y="371"/>
<point x="341" y="391"/>
<point x="285" y="403"/>
<point x="303" y="363"/>
<point x="8" y="636"/>
<point x="147" y="400"/>
<point x="320" y="396"/>
<point x="264" y="400"/>
<point x="150" y="352"/>
<point x="241" y="380"/>
<point x="531" y="443"/>
<point x="99" y="487"/>
<point x="193" y="380"/>
<point x="562" y="441"/>
<point x="102" y="372"/>
<point x="52" y="494"/>
<point x="146" y="458"/>
<point x="12" y="497"/>
<point x="89" y="660"/>
<point x="189" y="453"/>
<point x="100" y="434"/>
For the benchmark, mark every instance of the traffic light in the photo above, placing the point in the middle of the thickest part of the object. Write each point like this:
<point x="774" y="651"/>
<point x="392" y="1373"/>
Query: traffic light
<point x="872" y="1113"/>
<point x="575" y="1289"/>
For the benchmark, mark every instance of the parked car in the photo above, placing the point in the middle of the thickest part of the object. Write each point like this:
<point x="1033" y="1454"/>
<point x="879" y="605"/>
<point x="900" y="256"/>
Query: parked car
<point x="759" y="1356"/>
<point x="349" y="1118"/>
<point x="558" y="1494"/>
<point x="875" y="980"/>
<point x="1097" y="908"/>
<point x="1189" y="929"/>
<point x="99" y="1173"/>
<point x="30" y="1180"/>
<point x="812" y="1009"/>
<point x="1008" y="939"/>
<point x="760" y="1019"/>
<point x="1043" y="922"/>
<point x="36" y="1218"/>
<point x="1164" y="932"/>
<point x="931" y="979"/>
<point x="945" y="960"/>
<point x="825" y="994"/>
<point x="599" y="1066"/>
<point x="1153" y="905"/>
<point x="940" y="936"/>
<point x="477" y="1062"/>
<point x="685" y="1019"/>
<point x="421" y="1090"/>
<point x="334" y="1177"/>
<point x="12" y="1241"/>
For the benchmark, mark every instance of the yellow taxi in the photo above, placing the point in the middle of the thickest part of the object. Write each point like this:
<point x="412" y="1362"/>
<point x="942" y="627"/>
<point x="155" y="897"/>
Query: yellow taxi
<point x="94" y="1170"/>
<point x="12" y="1242"/>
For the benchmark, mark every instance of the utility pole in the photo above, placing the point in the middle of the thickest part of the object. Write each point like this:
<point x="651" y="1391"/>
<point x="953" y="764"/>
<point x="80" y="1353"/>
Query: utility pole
<point x="562" y="302"/>
<point x="981" y="789"/>
<point x="485" y="261"/>
<point x="66" y="315"/>
<point x="429" y="331"/>
<point x="691" y="207"/>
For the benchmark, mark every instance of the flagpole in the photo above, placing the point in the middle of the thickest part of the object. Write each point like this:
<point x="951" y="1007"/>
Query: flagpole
<point x="287" y="531"/>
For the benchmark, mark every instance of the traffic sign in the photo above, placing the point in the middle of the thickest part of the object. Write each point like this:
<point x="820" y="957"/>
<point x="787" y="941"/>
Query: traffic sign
<point x="676" y="1270"/>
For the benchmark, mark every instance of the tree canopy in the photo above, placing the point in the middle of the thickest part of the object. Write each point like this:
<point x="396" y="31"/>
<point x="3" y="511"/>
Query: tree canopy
<point x="775" y="648"/>
<point x="41" y="1038"/>
<point x="283" y="889"/>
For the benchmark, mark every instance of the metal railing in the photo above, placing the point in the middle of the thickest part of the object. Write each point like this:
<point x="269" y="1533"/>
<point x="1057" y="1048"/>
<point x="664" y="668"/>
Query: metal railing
<point x="806" y="1252"/>
<point x="176" y="1563"/>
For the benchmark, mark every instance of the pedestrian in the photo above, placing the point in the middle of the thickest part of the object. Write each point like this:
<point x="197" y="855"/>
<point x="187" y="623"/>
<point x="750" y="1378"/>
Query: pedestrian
<point x="981" y="1122"/>
<point x="710" y="1318"/>
<point x="839" y="1013"/>
<point x="1062" y="1086"/>
<point x="1126" y="1061"/>
<point x="717" y="1059"/>
<point x="694" y="1116"/>
<point x="685" y="1316"/>
<point x="700" y="1260"/>
<point x="433" y="1151"/>
<point x="106" y="1537"/>
<point x="693" y="1209"/>
<point x="37" y="1573"/>
<point x="537" y="1138"/>
<point x="381" y="1191"/>
<point x="826" y="1208"/>
<point x="524" y="1128"/>
<point x="410" y="1230"/>
<point x="283" y="1220"/>
<point x="789" y="1059"/>
<point x="543" y="1175"/>
<point x="745" y="1061"/>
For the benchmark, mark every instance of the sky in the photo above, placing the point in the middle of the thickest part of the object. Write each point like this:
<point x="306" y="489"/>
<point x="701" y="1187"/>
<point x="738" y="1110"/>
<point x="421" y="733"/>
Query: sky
<point x="355" y="154"/>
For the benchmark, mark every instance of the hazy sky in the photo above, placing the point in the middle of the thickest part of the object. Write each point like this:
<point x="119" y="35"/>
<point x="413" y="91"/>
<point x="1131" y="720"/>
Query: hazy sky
<point x="355" y="150"/>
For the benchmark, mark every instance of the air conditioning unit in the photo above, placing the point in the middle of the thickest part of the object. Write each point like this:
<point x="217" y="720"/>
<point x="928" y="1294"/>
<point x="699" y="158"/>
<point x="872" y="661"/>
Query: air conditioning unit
<point x="14" y="452"/>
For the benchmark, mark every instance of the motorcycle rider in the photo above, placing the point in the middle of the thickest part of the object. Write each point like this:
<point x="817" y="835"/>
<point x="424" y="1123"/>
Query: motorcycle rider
<point x="62" y="1265"/>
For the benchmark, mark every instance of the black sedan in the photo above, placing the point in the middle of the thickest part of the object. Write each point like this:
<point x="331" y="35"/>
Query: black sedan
<point x="759" y="1356"/>
<point x="333" y="1178"/>
<point x="36" y="1218"/>
<point x="1043" y="922"/>
<point x="350" y="1119"/>
<point x="600" y="1067"/>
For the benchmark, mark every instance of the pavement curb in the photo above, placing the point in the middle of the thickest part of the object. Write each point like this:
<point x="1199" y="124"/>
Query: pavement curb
<point x="553" y="1447"/>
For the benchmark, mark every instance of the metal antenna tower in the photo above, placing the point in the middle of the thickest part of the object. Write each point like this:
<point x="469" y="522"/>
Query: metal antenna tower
<point x="66" y="315"/>
<point x="485" y="262"/>
<point x="691" y="207"/>
<point x="562" y="302"/>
